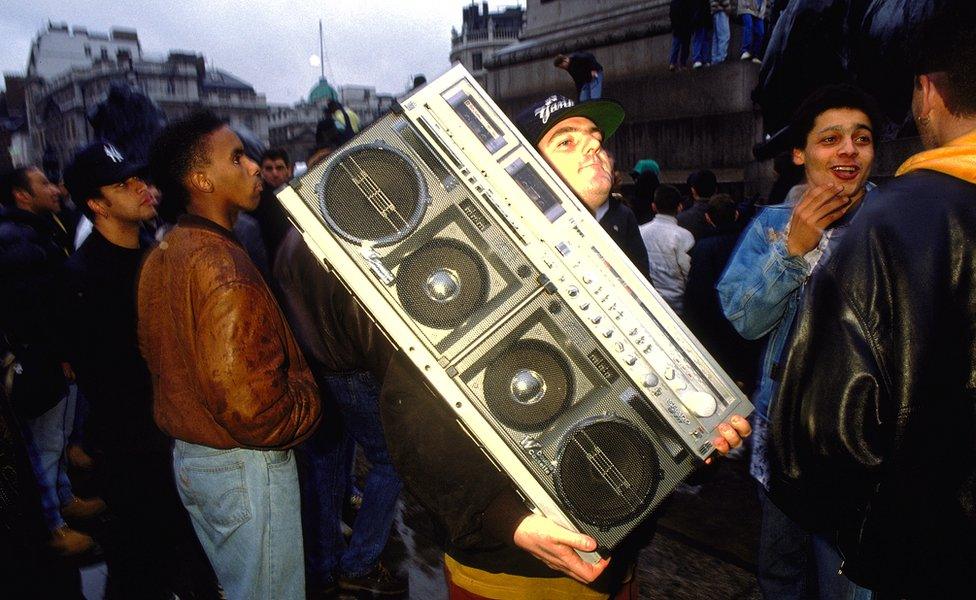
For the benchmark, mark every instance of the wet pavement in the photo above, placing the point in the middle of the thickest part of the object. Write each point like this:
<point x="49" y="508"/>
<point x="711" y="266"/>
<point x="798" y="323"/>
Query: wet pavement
<point x="704" y="547"/>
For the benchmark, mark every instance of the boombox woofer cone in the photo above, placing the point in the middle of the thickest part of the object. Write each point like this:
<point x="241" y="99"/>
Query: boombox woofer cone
<point x="607" y="471"/>
<point x="528" y="385"/>
<point x="441" y="283"/>
<point x="372" y="194"/>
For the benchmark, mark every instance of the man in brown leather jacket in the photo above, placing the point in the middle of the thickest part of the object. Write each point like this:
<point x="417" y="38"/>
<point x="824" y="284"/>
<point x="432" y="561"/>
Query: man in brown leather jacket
<point x="229" y="382"/>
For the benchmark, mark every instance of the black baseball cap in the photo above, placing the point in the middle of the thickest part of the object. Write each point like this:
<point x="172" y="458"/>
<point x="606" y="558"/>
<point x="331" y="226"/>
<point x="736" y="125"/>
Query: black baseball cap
<point x="97" y="165"/>
<point x="535" y="121"/>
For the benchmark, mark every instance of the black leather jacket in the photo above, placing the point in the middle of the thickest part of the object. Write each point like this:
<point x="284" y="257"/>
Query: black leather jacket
<point x="874" y="428"/>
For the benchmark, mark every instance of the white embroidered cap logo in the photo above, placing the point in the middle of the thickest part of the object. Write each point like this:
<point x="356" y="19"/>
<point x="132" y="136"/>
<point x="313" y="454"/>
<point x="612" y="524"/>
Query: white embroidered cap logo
<point x="552" y="104"/>
<point x="113" y="153"/>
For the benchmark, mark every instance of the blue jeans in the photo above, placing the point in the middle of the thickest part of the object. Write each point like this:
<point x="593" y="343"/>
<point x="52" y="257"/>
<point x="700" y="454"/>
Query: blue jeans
<point x="792" y="560"/>
<point x="46" y="437"/>
<point x="720" y="37"/>
<point x="701" y="46"/>
<point x="326" y="455"/>
<point x="594" y="89"/>
<point x="679" y="50"/>
<point x="245" y="508"/>
<point x="753" y="29"/>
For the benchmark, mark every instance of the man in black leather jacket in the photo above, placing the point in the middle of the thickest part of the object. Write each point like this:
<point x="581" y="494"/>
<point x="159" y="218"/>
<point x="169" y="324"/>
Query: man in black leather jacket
<point x="874" y="429"/>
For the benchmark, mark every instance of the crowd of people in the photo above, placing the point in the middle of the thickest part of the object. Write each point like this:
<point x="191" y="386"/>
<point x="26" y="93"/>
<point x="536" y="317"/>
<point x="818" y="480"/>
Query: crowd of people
<point x="193" y="356"/>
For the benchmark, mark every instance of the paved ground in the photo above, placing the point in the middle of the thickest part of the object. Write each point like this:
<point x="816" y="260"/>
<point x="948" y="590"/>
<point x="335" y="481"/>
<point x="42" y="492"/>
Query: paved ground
<point x="704" y="548"/>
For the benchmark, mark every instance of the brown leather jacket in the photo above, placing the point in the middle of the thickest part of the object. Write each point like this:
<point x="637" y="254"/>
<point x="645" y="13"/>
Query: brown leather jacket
<point x="225" y="367"/>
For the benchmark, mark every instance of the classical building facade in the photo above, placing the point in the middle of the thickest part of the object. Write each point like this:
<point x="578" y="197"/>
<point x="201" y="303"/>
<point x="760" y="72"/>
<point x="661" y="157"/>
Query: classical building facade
<point x="686" y="120"/>
<point x="70" y="71"/>
<point x="482" y="34"/>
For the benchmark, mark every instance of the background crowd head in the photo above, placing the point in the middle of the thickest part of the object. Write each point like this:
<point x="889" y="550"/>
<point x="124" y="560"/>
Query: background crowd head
<point x="703" y="184"/>
<point x="667" y="198"/>
<point x="721" y="211"/>
<point x="13" y="181"/>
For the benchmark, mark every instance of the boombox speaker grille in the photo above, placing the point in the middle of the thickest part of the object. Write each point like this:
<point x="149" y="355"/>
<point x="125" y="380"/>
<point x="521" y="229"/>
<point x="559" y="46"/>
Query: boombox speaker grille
<point x="441" y="283"/>
<point x="372" y="194"/>
<point x="607" y="471"/>
<point x="528" y="385"/>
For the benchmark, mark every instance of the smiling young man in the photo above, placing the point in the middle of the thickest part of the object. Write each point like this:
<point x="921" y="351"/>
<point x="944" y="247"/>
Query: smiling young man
<point x="762" y="290"/>
<point x="229" y="382"/>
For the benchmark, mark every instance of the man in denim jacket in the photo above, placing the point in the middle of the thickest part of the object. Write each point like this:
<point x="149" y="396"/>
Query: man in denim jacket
<point x="762" y="290"/>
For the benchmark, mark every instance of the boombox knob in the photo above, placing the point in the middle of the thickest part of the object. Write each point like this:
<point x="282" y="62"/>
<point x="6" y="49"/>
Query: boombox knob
<point x="651" y="380"/>
<point x="701" y="404"/>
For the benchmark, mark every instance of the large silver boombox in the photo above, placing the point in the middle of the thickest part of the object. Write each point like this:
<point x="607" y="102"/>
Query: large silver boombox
<point x="477" y="261"/>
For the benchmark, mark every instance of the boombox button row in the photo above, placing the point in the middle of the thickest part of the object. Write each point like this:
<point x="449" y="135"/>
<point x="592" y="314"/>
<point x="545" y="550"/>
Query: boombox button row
<point x="608" y="333"/>
<point x="630" y="359"/>
<point x="595" y="319"/>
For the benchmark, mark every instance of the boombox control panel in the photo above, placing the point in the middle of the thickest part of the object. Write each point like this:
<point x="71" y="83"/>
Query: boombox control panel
<point x="558" y="357"/>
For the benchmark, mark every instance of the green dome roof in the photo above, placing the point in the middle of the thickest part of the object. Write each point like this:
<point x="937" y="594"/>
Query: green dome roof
<point x="322" y="92"/>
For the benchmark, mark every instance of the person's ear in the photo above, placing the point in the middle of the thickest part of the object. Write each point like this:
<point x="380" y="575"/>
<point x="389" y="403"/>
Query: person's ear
<point x="799" y="159"/>
<point x="97" y="207"/>
<point x="21" y="197"/>
<point x="200" y="181"/>
<point x="931" y="98"/>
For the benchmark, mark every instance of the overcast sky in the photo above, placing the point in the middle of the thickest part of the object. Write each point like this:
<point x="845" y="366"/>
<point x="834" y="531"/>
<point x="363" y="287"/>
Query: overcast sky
<point x="267" y="43"/>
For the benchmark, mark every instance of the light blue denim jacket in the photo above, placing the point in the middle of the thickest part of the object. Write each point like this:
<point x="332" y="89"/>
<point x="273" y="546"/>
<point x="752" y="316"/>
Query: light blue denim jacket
<point x="761" y="291"/>
<point x="762" y="286"/>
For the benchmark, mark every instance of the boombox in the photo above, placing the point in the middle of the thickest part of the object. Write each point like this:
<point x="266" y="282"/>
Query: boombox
<point x="475" y="259"/>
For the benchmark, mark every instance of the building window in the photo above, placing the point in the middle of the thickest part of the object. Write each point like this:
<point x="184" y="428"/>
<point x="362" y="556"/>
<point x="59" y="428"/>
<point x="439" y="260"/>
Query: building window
<point x="476" y="61"/>
<point x="87" y="50"/>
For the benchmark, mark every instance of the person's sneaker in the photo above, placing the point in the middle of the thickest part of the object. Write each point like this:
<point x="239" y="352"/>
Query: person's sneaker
<point x="379" y="582"/>
<point x="82" y="508"/>
<point x="672" y="67"/>
<point x="68" y="542"/>
<point x="697" y="64"/>
<point x="757" y="60"/>
<point x="745" y="56"/>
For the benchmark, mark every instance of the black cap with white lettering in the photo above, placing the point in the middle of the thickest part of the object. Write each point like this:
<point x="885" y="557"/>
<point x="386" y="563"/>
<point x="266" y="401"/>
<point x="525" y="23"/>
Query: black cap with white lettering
<point x="535" y="121"/>
<point x="97" y="165"/>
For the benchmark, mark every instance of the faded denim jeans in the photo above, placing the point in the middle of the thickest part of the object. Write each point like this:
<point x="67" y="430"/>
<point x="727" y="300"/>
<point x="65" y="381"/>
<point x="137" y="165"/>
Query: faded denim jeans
<point x="46" y="436"/>
<point x="245" y="509"/>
